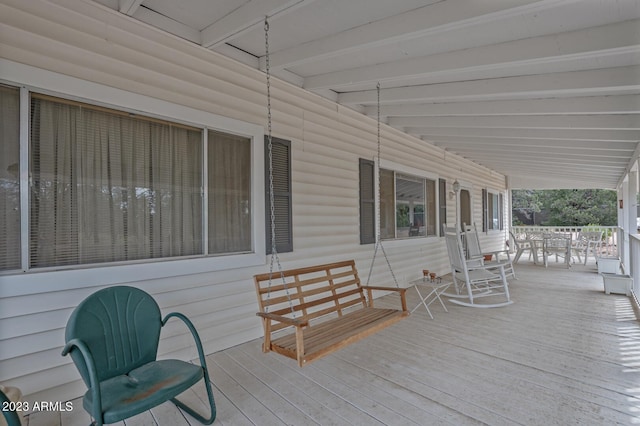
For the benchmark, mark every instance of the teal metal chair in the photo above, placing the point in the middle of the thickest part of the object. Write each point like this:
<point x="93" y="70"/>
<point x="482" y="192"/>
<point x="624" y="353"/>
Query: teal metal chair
<point x="10" y="416"/>
<point x="112" y="337"/>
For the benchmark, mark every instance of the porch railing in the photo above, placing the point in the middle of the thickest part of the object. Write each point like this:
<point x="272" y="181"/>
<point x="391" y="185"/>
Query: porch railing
<point x="610" y="235"/>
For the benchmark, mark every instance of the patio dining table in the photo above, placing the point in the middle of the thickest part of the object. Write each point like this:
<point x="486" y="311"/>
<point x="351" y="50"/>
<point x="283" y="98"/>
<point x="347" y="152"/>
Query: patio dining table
<point x="546" y="242"/>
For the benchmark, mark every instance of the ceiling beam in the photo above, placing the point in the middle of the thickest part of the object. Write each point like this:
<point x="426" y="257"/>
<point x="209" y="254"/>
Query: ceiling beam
<point x="588" y="144"/>
<point x="517" y="181"/>
<point x="167" y="24"/>
<point x="244" y="18"/>
<point x="427" y="20"/>
<point x="597" y="147"/>
<point x="543" y="166"/>
<point x="129" y="7"/>
<point x="609" y="81"/>
<point x="624" y="104"/>
<point x="546" y="164"/>
<point x="589" y="48"/>
<point x="567" y="154"/>
<point x="515" y="133"/>
<point x="631" y="121"/>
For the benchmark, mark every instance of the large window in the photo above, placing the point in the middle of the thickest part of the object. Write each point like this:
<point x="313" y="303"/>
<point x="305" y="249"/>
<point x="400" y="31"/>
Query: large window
<point x="408" y="204"/>
<point x="109" y="186"/>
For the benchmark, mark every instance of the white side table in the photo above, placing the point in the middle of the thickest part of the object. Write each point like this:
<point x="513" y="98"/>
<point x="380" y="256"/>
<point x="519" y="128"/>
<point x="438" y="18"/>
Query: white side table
<point x="432" y="289"/>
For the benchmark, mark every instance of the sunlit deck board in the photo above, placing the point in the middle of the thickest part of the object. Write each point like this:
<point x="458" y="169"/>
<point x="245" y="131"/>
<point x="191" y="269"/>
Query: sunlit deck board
<point x="563" y="353"/>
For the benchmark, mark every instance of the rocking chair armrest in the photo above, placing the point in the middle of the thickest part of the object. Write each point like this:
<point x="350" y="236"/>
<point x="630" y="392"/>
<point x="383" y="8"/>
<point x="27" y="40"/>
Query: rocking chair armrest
<point x="91" y="370"/>
<point x="487" y="267"/>
<point x="275" y="317"/>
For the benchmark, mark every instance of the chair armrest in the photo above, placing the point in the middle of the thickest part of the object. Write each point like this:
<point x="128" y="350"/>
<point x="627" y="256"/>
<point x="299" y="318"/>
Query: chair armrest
<point x="486" y="267"/>
<point x="194" y="334"/>
<point x="91" y="370"/>
<point x="291" y="321"/>
<point x="205" y="371"/>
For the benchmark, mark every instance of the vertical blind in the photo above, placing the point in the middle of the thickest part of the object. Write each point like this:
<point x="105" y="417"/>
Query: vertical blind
<point x="108" y="186"/>
<point x="229" y="193"/>
<point x="9" y="178"/>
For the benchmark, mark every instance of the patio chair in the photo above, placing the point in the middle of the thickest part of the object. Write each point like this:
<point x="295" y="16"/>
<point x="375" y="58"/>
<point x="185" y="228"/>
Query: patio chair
<point x="474" y="281"/>
<point x="520" y="245"/>
<point x="558" y="245"/>
<point x="476" y="254"/>
<point x="588" y="242"/>
<point x="112" y="337"/>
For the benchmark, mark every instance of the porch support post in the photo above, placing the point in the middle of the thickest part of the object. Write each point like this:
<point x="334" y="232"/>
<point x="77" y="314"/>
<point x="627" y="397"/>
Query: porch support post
<point x="632" y="201"/>
<point x="627" y="214"/>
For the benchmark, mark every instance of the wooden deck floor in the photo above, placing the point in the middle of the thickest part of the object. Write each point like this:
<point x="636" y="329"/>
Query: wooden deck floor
<point x="564" y="353"/>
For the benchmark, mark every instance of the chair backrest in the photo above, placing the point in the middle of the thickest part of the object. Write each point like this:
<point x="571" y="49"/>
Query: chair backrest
<point x="557" y="242"/>
<point x="121" y="327"/>
<point x="594" y="236"/>
<point x="472" y="240"/>
<point x="516" y="243"/>
<point x="454" y="248"/>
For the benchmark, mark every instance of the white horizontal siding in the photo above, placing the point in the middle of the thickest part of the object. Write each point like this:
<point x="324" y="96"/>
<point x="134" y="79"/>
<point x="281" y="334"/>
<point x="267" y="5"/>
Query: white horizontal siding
<point x="86" y="41"/>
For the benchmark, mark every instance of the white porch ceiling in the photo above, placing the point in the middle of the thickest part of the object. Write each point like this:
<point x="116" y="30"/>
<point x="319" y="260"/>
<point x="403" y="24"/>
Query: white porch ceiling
<point x="546" y="92"/>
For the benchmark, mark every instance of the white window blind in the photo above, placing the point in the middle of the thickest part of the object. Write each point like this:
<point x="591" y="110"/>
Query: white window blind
<point x="229" y="179"/>
<point x="109" y="186"/>
<point x="9" y="178"/>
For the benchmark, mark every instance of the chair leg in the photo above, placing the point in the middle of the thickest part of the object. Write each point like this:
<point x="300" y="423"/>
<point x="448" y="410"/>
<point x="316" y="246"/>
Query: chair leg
<point x="193" y="413"/>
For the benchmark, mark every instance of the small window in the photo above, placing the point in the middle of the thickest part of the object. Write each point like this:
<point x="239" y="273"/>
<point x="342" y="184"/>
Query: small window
<point x="408" y="205"/>
<point x="281" y="160"/>
<point x="492" y="208"/>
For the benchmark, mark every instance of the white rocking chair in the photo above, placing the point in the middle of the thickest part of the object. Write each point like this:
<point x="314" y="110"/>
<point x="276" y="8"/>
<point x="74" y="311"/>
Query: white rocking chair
<point x="479" y="280"/>
<point x="475" y="253"/>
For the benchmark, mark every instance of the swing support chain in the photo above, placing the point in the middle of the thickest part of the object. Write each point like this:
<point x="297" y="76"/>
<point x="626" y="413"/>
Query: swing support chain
<point x="379" y="244"/>
<point x="274" y="251"/>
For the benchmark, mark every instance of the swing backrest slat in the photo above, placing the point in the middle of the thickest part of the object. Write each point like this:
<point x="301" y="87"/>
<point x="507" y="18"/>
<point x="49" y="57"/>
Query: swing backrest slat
<point x="310" y="292"/>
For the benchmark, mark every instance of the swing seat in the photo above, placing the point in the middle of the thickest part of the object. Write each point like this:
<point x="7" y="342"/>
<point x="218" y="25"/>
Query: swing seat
<point x="326" y="307"/>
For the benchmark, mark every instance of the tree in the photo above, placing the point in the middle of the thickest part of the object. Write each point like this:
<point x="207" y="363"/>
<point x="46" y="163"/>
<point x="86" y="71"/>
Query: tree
<point x="570" y="207"/>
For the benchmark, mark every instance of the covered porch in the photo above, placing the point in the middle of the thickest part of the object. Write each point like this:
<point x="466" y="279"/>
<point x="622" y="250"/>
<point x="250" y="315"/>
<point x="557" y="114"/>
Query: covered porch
<point x="565" y="353"/>
<point x="530" y="94"/>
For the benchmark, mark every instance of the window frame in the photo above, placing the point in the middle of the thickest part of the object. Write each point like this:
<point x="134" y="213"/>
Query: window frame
<point x="488" y="196"/>
<point x="30" y="79"/>
<point x="407" y="170"/>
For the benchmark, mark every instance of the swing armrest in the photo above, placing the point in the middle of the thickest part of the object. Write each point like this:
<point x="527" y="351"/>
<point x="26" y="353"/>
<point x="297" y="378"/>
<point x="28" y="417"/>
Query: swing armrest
<point x="402" y="291"/>
<point x="375" y="287"/>
<point x="291" y="321"/>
